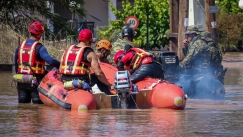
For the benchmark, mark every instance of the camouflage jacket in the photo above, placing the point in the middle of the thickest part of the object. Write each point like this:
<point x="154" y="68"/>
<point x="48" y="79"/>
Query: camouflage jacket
<point x="216" y="59"/>
<point x="198" y="55"/>
<point x="216" y="55"/>
<point x="118" y="45"/>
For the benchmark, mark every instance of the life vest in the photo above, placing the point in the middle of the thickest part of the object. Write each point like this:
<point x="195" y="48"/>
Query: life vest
<point x="27" y="62"/>
<point x="72" y="62"/>
<point x="138" y="59"/>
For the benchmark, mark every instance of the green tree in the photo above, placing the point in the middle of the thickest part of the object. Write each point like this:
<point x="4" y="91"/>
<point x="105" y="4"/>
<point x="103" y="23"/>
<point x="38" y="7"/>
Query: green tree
<point x="229" y="23"/>
<point x="18" y="14"/>
<point x="228" y="6"/>
<point x="231" y="27"/>
<point x="158" y="20"/>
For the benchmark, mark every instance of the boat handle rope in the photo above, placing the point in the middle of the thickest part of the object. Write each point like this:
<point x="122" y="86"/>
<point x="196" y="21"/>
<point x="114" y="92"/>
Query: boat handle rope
<point x="154" y="84"/>
<point x="134" y="101"/>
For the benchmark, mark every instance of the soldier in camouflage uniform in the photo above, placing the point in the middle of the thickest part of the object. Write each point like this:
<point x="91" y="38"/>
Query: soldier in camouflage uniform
<point x="127" y="38"/>
<point x="202" y="55"/>
<point x="216" y="56"/>
<point x="197" y="58"/>
<point x="198" y="55"/>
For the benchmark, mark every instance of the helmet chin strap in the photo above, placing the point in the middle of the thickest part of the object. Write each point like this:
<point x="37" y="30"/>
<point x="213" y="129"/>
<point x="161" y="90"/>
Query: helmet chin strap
<point x="104" y="55"/>
<point x="39" y="36"/>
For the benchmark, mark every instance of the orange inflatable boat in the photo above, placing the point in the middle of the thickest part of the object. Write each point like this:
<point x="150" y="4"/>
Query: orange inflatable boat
<point x="52" y="93"/>
<point x="152" y="93"/>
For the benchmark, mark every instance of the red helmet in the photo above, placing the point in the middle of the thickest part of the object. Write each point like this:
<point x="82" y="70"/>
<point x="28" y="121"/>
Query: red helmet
<point x="117" y="57"/>
<point x="36" y="28"/>
<point x="85" y="35"/>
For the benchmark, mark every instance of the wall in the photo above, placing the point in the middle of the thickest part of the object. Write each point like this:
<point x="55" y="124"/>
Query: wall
<point x="98" y="9"/>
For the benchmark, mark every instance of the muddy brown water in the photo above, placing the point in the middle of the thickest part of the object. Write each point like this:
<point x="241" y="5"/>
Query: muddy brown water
<point x="201" y="117"/>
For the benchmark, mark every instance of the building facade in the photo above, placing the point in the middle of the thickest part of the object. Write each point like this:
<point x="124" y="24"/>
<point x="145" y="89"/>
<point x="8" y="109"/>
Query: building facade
<point x="98" y="13"/>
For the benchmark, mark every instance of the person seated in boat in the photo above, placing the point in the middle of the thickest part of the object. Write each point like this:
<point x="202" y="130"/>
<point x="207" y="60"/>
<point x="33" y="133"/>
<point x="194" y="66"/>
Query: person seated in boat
<point x="128" y="34"/>
<point x="140" y="64"/>
<point x="202" y="55"/>
<point x="77" y="60"/>
<point x="30" y="58"/>
<point x="103" y="50"/>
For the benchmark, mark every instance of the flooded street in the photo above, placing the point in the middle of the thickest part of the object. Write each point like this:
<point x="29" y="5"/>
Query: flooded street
<point x="200" y="117"/>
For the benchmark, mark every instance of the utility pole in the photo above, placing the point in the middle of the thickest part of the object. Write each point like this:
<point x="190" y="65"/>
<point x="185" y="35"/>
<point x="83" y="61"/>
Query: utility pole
<point x="183" y="10"/>
<point x="174" y="21"/>
<point x="210" y="17"/>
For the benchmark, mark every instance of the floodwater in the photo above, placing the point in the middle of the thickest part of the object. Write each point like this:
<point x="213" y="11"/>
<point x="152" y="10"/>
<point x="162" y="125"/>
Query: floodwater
<point x="201" y="118"/>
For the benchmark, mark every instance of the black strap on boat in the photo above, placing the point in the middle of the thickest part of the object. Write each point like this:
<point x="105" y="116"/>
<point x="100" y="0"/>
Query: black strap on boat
<point x="54" y="99"/>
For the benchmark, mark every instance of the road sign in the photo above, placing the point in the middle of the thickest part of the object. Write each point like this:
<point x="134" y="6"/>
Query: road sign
<point x="133" y="21"/>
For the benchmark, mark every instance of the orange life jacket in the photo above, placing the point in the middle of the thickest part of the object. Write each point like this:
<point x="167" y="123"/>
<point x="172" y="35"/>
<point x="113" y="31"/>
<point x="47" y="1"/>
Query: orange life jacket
<point x="27" y="62"/>
<point x="72" y="62"/>
<point x="139" y="59"/>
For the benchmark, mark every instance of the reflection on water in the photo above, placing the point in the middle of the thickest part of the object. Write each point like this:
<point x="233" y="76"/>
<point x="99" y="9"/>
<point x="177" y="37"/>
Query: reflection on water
<point x="200" y="118"/>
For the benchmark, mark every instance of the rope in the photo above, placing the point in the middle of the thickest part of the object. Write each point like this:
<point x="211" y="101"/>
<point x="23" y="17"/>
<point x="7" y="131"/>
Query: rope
<point x="134" y="101"/>
<point x="154" y="84"/>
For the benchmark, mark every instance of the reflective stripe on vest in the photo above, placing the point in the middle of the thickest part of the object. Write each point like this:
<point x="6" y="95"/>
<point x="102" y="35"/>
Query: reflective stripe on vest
<point x="72" y="62"/>
<point x="138" y="57"/>
<point x="27" y="63"/>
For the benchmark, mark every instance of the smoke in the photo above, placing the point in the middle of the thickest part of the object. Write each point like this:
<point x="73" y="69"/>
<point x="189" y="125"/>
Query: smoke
<point x="201" y="86"/>
<point x="198" y="81"/>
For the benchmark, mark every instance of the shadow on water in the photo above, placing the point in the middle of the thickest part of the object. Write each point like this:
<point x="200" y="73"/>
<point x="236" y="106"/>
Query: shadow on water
<point x="200" y="117"/>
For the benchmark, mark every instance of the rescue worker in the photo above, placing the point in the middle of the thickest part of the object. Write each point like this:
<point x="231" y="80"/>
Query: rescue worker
<point x="127" y="38"/>
<point x="77" y="60"/>
<point x="30" y="58"/>
<point x="103" y="50"/>
<point x="140" y="64"/>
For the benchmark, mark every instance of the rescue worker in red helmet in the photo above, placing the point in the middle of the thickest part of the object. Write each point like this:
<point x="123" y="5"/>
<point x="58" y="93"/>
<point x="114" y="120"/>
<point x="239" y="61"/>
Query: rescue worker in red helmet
<point x="30" y="58"/>
<point x="103" y="50"/>
<point x="140" y="64"/>
<point x="77" y="60"/>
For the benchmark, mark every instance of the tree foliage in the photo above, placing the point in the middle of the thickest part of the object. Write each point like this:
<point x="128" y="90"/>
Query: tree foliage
<point x="18" y="14"/>
<point x="229" y="23"/>
<point x="102" y="34"/>
<point x="231" y="27"/>
<point x="228" y="6"/>
<point x="158" y="20"/>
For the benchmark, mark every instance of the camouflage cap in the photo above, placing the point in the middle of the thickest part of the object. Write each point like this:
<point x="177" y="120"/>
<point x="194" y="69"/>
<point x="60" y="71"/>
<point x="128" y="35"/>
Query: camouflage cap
<point x="192" y="29"/>
<point x="205" y="34"/>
